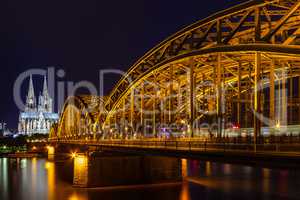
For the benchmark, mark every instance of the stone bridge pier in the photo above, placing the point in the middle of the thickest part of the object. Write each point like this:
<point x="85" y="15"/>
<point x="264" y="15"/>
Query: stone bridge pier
<point x="107" y="169"/>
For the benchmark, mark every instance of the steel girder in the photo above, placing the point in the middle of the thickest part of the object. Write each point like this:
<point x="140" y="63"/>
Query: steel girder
<point x="85" y="109"/>
<point x="268" y="28"/>
<point x="249" y="25"/>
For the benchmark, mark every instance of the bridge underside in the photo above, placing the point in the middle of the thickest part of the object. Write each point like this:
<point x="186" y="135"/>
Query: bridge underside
<point x="235" y="73"/>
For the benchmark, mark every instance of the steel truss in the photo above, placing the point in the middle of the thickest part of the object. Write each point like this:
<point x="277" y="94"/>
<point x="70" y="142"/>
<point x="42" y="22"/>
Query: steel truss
<point x="238" y="66"/>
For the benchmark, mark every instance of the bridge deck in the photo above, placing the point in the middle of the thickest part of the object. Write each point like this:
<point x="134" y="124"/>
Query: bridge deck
<point x="288" y="153"/>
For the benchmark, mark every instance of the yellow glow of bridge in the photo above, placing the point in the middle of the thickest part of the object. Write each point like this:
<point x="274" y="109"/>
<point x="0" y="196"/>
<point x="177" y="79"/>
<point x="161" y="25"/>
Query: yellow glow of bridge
<point x="224" y="73"/>
<point x="51" y="150"/>
<point x="73" y="154"/>
<point x="80" y="170"/>
<point x="80" y="160"/>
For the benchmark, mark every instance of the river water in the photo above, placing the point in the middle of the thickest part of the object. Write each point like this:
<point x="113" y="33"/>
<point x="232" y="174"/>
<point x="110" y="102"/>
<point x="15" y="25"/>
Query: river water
<point x="38" y="179"/>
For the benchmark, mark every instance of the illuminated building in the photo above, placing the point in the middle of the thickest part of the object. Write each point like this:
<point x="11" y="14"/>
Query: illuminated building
<point x="37" y="118"/>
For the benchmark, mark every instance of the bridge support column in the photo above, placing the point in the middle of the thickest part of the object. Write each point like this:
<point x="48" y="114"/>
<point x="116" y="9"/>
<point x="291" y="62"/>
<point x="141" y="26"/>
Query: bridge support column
<point x="192" y="99"/>
<point x="81" y="169"/>
<point x="51" y="152"/>
<point x="124" y="123"/>
<point x="284" y="99"/>
<point x="132" y="128"/>
<point x="272" y="96"/>
<point x="171" y="107"/>
<point x="219" y="94"/>
<point x="142" y="93"/>
<point x="118" y="169"/>
<point x="291" y="91"/>
<point x="154" y="110"/>
<point x="239" y="95"/>
<point x="257" y="98"/>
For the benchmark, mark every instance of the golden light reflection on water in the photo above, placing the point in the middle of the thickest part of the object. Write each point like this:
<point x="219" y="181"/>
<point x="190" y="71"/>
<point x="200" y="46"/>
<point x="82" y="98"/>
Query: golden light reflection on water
<point x="185" y="192"/>
<point x="184" y="168"/>
<point x="208" y="168"/>
<point x="266" y="180"/>
<point x="50" y="167"/>
<point x="76" y="196"/>
<point x="34" y="173"/>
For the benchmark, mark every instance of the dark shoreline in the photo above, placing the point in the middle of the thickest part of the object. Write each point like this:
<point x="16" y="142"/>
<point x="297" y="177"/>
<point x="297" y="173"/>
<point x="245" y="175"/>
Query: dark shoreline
<point x="21" y="155"/>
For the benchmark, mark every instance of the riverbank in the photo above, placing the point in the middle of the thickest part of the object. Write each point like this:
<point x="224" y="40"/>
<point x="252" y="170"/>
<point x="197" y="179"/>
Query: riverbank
<point x="21" y="155"/>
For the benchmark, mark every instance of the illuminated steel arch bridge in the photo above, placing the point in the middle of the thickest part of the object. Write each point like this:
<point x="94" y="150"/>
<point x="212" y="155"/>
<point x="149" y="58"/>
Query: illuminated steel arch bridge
<point x="229" y="74"/>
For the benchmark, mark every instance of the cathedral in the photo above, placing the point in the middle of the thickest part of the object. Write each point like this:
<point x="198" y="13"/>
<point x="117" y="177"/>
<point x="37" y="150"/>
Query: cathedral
<point x="38" y="117"/>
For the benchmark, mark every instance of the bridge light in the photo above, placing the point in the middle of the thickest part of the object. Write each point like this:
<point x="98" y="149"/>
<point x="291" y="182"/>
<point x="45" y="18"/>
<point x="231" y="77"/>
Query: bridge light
<point x="278" y="125"/>
<point x="73" y="154"/>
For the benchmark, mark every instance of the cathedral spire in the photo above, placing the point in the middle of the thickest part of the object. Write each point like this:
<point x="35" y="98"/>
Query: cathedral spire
<point x="45" y="100"/>
<point x="30" y="101"/>
<point x="45" y="87"/>
<point x="30" y="90"/>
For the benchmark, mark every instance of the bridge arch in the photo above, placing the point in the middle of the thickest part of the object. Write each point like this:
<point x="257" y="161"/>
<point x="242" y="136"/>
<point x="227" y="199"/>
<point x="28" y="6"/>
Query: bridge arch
<point x="80" y="118"/>
<point x="225" y="70"/>
<point x="248" y="25"/>
<point x="236" y="41"/>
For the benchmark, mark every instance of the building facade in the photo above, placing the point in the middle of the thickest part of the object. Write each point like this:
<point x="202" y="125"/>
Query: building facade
<point x="38" y="116"/>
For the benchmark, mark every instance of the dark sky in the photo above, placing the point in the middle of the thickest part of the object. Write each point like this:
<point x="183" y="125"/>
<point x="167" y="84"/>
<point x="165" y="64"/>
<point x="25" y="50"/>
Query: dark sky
<point x="82" y="37"/>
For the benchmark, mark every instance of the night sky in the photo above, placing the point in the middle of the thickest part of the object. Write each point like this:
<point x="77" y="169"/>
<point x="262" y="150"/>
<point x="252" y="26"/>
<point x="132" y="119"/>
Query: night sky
<point x="81" y="37"/>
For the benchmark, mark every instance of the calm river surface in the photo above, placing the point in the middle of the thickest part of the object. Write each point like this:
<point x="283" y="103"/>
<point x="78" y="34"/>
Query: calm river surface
<point x="38" y="179"/>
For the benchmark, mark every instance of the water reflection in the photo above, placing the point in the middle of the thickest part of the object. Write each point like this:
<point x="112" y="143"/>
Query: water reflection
<point x="41" y="179"/>
<point x="4" y="178"/>
<point x="50" y="167"/>
<point x="184" y="168"/>
<point x="266" y="180"/>
<point x="208" y="168"/>
<point x="185" y="192"/>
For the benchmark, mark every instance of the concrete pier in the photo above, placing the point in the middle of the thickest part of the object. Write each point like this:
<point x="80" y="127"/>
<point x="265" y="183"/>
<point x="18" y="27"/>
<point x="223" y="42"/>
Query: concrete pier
<point x="51" y="152"/>
<point x="107" y="169"/>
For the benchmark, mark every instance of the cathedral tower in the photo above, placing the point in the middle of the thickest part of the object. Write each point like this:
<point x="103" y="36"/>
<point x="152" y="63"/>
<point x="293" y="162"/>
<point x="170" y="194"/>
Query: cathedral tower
<point x="30" y="99"/>
<point x="37" y="119"/>
<point x="45" y="101"/>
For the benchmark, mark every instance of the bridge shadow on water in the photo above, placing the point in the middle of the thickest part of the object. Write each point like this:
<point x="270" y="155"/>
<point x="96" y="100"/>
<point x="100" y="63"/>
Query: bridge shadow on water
<point x="144" y="178"/>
